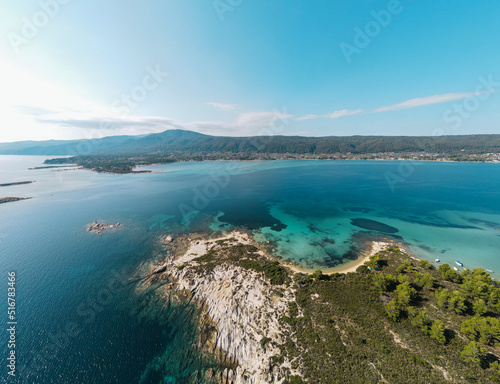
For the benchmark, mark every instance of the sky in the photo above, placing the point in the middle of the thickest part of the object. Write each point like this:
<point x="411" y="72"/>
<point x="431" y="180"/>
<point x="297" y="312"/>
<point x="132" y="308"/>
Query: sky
<point x="85" y="69"/>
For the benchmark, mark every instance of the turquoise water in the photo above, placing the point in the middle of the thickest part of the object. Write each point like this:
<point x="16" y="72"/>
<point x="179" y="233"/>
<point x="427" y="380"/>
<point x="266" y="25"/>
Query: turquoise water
<point x="316" y="213"/>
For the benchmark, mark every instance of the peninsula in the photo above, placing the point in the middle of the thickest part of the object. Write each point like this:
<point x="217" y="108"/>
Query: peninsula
<point x="266" y="323"/>
<point x="16" y="183"/>
<point x="12" y="199"/>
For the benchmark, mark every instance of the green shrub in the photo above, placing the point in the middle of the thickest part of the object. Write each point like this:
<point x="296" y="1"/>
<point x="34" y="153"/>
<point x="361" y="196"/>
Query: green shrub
<point x="362" y="269"/>
<point x="479" y="307"/>
<point x="393" y="310"/>
<point x="295" y="380"/>
<point x="425" y="264"/>
<point x="264" y="341"/>
<point x="423" y="321"/>
<point x="474" y="353"/>
<point x="405" y="294"/>
<point x="437" y="331"/>
<point x="486" y="330"/>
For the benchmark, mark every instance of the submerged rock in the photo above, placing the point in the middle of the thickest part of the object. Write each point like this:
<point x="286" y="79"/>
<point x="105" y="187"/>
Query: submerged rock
<point x="167" y="239"/>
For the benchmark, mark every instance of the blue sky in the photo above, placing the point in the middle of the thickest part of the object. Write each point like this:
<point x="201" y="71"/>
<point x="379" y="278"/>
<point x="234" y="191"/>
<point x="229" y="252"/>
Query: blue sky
<point x="80" y="69"/>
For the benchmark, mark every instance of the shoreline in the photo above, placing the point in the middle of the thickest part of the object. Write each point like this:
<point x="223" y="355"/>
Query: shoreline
<point x="196" y="244"/>
<point x="294" y="159"/>
<point x="138" y="169"/>
<point x="351" y="266"/>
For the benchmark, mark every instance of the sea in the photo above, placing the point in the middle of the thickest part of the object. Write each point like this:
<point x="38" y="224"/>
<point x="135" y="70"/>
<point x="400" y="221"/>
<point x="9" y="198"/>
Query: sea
<point x="80" y="316"/>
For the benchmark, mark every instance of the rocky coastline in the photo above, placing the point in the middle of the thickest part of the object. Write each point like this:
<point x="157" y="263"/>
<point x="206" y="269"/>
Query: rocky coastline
<point x="243" y="304"/>
<point x="242" y="309"/>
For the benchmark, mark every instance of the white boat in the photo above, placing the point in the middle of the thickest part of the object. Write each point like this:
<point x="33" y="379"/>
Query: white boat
<point x="455" y="268"/>
<point x="489" y="270"/>
<point x="437" y="260"/>
<point x="459" y="263"/>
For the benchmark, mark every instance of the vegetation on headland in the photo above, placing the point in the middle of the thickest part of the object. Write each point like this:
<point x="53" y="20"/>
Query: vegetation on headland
<point x="246" y="256"/>
<point x="403" y="321"/>
<point x="108" y="164"/>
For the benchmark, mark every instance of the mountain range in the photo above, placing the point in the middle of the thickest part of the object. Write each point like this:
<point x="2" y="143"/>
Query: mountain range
<point x="181" y="141"/>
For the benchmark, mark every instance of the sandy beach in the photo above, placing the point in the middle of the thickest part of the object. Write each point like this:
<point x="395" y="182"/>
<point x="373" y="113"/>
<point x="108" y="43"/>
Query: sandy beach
<point x="375" y="247"/>
<point x="199" y="247"/>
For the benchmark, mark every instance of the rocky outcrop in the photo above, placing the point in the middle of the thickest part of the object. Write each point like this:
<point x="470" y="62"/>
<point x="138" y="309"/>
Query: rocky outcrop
<point x="167" y="239"/>
<point x="242" y="310"/>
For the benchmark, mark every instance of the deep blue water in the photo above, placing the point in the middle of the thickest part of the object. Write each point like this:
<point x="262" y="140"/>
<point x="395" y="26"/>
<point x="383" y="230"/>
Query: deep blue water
<point x="316" y="213"/>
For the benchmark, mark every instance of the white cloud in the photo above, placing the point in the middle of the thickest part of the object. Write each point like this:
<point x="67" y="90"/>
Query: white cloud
<point x="412" y="103"/>
<point x="343" y="112"/>
<point x="222" y="106"/>
<point x="88" y="125"/>
<point x="423" y="101"/>
<point x="307" y="117"/>
<point x="333" y="115"/>
<point x="32" y="109"/>
<point x="259" y="119"/>
<point x="246" y="124"/>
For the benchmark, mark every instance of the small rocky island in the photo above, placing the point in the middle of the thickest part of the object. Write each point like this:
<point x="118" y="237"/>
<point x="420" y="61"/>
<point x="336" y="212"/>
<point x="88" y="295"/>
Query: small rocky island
<point x="101" y="227"/>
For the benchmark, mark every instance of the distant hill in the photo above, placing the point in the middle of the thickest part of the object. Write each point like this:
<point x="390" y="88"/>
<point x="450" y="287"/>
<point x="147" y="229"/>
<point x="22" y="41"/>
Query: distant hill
<point x="66" y="147"/>
<point x="192" y="142"/>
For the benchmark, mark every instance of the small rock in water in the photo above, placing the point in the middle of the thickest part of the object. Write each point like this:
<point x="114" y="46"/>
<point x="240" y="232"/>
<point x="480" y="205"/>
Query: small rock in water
<point x="167" y="239"/>
<point x="100" y="227"/>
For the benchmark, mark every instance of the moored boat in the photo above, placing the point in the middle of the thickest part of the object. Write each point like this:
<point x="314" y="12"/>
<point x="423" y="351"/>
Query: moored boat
<point x="459" y="263"/>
